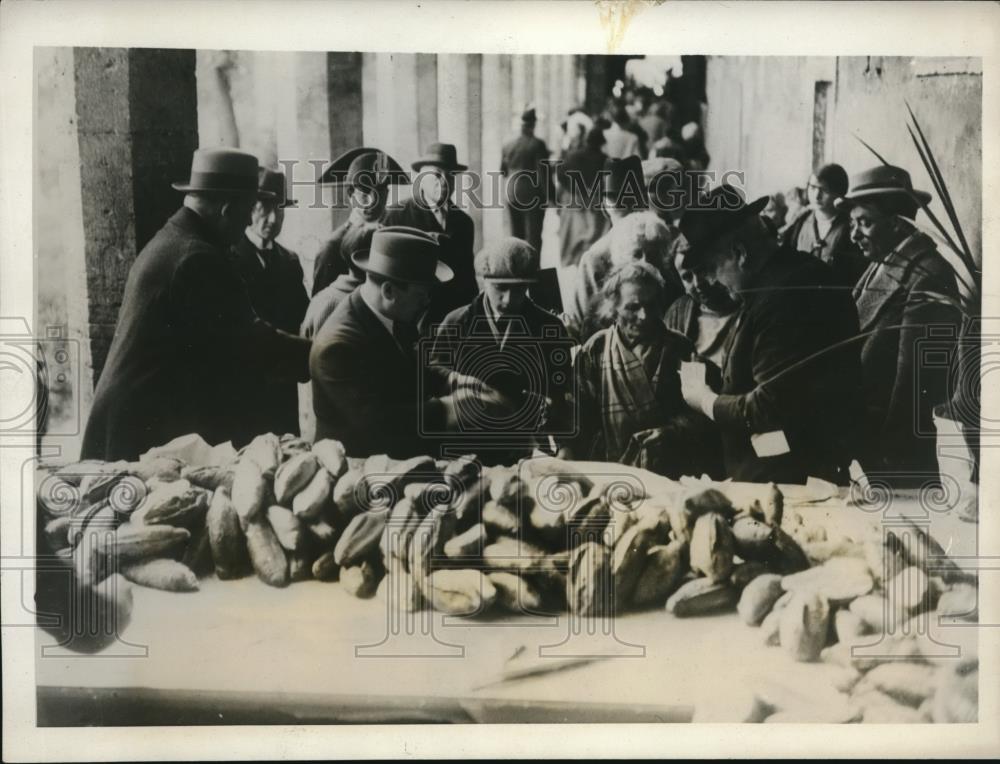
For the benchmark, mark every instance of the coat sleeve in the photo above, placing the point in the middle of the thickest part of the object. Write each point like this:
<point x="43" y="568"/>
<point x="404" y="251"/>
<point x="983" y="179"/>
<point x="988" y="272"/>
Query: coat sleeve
<point x="343" y="372"/>
<point x="789" y="329"/>
<point x="212" y="311"/>
<point x="913" y="392"/>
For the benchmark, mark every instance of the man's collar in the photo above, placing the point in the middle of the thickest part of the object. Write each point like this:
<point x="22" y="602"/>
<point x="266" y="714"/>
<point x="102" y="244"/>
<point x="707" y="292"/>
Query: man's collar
<point x="258" y="242"/>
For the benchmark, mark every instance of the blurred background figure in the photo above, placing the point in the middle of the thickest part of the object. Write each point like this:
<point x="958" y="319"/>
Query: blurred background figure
<point x="620" y="140"/>
<point x="528" y="189"/>
<point x="776" y="210"/>
<point x="797" y="202"/>
<point x="581" y="218"/>
<point x="694" y="146"/>
<point x="651" y="118"/>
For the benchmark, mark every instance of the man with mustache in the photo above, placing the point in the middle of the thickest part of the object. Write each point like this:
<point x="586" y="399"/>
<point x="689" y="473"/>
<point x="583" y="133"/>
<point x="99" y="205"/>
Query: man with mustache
<point x="907" y="288"/>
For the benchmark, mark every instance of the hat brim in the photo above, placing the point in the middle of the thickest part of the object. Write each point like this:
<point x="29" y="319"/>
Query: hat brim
<point x="442" y="273"/>
<point x="186" y="188"/>
<point x="511" y="279"/>
<point x="420" y="163"/>
<point x="850" y="199"/>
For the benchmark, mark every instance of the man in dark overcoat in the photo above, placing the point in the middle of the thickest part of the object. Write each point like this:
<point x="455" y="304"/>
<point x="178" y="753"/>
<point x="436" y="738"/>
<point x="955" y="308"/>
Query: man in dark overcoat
<point x="789" y="404"/>
<point x="907" y="292"/>
<point x="432" y="209"/>
<point x="529" y="187"/>
<point x="187" y="338"/>
<point x="371" y="391"/>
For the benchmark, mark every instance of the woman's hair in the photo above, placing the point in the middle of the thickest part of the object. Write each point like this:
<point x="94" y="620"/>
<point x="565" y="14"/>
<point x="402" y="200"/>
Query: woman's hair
<point x="635" y="234"/>
<point x="637" y="272"/>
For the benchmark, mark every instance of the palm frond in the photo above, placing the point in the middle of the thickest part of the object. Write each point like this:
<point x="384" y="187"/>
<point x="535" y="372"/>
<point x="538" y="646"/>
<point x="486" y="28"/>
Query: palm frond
<point x="877" y="155"/>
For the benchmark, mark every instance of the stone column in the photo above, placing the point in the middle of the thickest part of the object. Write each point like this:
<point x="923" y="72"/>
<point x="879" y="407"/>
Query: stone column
<point x="460" y="121"/>
<point x="137" y="125"/>
<point x="427" y="102"/>
<point x="345" y="112"/>
<point x="497" y="108"/>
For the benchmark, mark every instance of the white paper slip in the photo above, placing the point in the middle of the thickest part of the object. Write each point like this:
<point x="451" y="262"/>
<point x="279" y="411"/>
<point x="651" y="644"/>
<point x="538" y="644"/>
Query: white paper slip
<point x="771" y="443"/>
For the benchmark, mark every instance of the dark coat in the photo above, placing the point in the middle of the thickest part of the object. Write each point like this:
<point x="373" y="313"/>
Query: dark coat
<point x="581" y="221"/>
<point x="278" y="295"/>
<point x="838" y="251"/>
<point x="368" y="392"/>
<point x="902" y="385"/>
<point x="186" y="342"/>
<point x="529" y="185"/>
<point x="537" y="359"/>
<point x="790" y="312"/>
<point x="456" y="252"/>
<point x="332" y="258"/>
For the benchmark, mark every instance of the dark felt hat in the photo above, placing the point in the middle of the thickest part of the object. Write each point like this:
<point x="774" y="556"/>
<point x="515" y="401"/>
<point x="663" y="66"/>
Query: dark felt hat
<point x="716" y="214"/>
<point x="529" y="117"/>
<point x="404" y="254"/>
<point x="223" y="171"/>
<point x="365" y="167"/>
<point x="274" y="182"/>
<point x="442" y="155"/>
<point x="882" y="181"/>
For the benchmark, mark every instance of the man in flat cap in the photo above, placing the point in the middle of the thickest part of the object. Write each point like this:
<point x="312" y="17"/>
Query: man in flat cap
<point x="432" y="209"/>
<point x="791" y="375"/>
<point x="365" y="174"/>
<point x="274" y="280"/>
<point x="529" y="186"/>
<point x="907" y="289"/>
<point x="523" y="350"/>
<point x="370" y="390"/>
<point x="187" y="338"/>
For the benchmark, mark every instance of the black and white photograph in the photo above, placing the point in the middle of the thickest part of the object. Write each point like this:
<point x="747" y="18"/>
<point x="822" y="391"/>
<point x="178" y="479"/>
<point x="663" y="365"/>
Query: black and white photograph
<point x="441" y="379"/>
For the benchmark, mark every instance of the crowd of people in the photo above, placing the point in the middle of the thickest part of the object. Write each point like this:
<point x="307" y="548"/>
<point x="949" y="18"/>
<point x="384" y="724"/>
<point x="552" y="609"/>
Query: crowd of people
<point x="765" y="340"/>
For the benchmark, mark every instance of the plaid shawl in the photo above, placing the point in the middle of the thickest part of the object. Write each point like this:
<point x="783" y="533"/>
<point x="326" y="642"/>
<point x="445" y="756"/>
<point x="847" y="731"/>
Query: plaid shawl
<point x="628" y="399"/>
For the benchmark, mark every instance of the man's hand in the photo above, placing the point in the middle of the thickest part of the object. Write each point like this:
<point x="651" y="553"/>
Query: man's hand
<point x="473" y="403"/>
<point x="697" y="394"/>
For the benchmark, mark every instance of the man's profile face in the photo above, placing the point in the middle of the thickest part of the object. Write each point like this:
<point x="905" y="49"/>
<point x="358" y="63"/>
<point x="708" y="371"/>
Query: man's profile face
<point x="235" y="218"/>
<point x="266" y="219"/>
<point x="369" y="200"/>
<point x="872" y="230"/>
<point x="406" y="302"/>
<point x="721" y="265"/>
<point x="700" y="288"/>
<point x="506" y="299"/>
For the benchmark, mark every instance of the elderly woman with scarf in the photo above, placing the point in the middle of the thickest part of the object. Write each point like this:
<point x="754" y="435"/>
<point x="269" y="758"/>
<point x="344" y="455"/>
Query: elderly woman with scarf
<point x="628" y="391"/>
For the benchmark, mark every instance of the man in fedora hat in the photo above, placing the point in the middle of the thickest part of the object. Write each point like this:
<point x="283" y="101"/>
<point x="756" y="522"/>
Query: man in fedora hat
<point x="366" y="175"/>
<point x="274" y="280"/>
<point x="529" y="186"/>
<point x="432" y="209"/>
<point x="370" y="390"/>
<point x="187" y="338"/>
<point x="525" y="348"/>
<point x="790" y="375"/>
<point x="907" y="288"/>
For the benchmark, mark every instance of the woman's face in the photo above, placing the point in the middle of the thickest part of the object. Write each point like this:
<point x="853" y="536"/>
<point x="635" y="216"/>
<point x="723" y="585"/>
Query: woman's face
<point x="636" y="315"/>
<point x="820" y="198"/>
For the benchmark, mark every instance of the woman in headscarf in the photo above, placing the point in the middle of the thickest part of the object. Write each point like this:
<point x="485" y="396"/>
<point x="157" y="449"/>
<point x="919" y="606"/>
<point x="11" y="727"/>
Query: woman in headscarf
<point x="628" y="390"/>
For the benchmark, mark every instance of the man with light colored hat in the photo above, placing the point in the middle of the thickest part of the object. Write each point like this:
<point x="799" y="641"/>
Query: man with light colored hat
<point x="517" y="347"/>
<point x="188" y="339"/>
<point x="370" y="390"/>
<point x="907" y="289"/>
<point x="432" y="209"/>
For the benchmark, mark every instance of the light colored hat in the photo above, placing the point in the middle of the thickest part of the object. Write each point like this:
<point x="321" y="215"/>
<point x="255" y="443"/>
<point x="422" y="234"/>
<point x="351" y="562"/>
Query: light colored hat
<point x="508" y="261"/>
